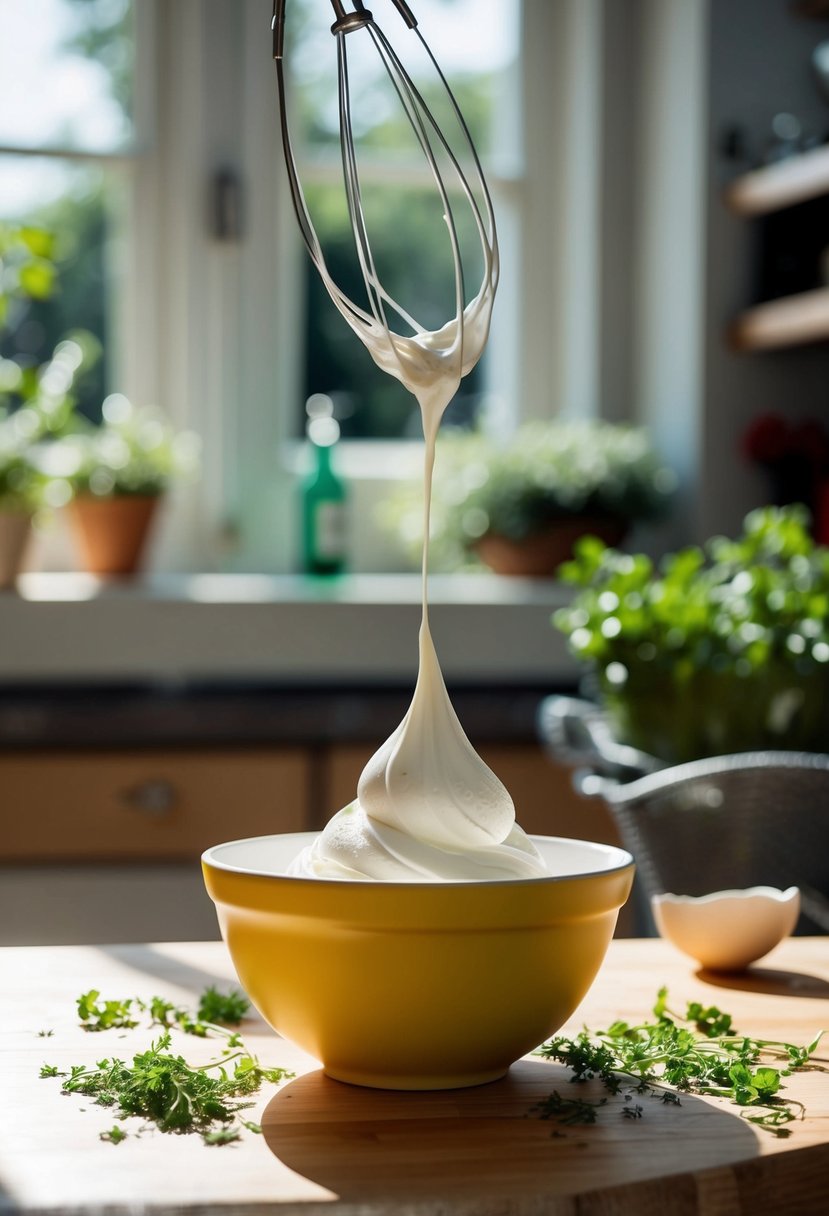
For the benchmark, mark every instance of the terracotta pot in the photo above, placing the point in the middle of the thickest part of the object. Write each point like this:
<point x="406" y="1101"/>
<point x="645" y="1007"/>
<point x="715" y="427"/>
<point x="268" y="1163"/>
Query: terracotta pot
<point x="111" y="532"/>
<point x="15" y="529"/>
<point x="540" y="554"/>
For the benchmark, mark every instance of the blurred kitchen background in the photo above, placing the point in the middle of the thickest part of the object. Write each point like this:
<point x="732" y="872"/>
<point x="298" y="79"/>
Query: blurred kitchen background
<point x="660" y="173"/>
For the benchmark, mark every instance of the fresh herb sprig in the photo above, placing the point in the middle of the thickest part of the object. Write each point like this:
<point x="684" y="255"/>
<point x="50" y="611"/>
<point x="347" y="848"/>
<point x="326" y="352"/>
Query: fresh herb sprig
<point x="696" y="1052"/>
<point x="115" y="1134"/>
<point x="216" y="1010"/>
<point x="108" y="1015"/>
<point x="226" y="1007"/>
<point x="164" y="1088"/>
<point x="161" y="1086"/>
<point x="569" y="1111"/>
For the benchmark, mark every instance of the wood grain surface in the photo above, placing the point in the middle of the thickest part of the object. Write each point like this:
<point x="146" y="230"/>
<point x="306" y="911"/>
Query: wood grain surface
<point x="338" y="1149"/>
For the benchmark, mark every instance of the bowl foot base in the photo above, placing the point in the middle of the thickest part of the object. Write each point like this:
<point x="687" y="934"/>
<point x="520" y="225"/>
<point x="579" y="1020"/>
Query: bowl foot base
<point x="412" y="1082"/>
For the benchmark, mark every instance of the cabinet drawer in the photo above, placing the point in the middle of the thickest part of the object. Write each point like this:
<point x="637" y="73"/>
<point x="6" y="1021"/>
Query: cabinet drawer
<point x="145" y="805"/>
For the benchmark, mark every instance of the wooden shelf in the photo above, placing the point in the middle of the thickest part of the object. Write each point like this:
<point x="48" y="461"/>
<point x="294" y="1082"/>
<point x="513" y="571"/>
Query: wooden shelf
<point x="816" y="9"/>
<point x="782" y="185"/>
<point x="792" y="321"/>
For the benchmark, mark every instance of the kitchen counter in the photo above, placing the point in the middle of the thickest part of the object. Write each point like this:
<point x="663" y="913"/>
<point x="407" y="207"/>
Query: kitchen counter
<point x="70" y="627"/>
<point x="338" y="1149"/>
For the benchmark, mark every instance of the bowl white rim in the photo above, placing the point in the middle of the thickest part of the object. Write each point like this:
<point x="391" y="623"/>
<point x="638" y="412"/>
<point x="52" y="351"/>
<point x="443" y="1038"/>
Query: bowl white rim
<point x="624" y="860"/>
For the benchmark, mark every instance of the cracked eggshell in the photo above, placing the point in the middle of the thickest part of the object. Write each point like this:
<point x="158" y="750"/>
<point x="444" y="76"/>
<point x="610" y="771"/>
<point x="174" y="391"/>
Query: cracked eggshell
<point x="727" y="930"/>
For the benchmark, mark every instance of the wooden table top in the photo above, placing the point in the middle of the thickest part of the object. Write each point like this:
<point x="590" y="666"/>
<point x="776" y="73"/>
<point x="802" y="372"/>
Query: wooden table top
<point x="346" y="1151"/>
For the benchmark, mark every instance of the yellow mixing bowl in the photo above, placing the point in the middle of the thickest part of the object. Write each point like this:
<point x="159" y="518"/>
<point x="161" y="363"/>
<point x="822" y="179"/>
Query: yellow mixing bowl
<point x="416" y="985"/>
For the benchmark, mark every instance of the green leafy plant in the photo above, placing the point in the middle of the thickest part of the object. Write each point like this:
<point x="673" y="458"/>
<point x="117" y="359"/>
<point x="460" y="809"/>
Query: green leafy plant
<point x="719" y="649"/>
<point x="134" y="451"/>
<point x="546" y="472"/>
<point x="697" y="1052"/>
<point x="27" y="266"/>
<point x="35" y="401"/>
<point x="21" y="482"/>
<point x="37" y="406"/>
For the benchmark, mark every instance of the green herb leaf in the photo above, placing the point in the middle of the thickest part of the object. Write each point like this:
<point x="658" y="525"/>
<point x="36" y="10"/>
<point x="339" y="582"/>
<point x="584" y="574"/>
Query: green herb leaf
<point x="568" y="1110"/>
<point x="115" y="1134"/>
<point x="160" y="1085"/>
<point x="224" y="1136"/>
<point x="228" y="1008"/>
<point x="698" y="1052"/>
<point x="109" y="1015"/>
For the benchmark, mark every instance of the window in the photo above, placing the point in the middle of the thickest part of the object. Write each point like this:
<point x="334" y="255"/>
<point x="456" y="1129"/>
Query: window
<point x="143" y="121"/>
<point x="66" y="149"/>
<point x="123" y="123"/>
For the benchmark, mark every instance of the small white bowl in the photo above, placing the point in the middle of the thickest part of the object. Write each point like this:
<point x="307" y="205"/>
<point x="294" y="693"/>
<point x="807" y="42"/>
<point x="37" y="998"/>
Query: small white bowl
<point x="727" y="930"/>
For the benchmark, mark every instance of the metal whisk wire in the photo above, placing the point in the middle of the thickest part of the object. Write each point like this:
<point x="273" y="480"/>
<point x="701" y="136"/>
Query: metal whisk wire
<point x="392" y="351"/>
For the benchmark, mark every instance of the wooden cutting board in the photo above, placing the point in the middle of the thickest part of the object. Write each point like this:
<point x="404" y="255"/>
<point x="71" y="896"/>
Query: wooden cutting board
<point x="334" y="1148"/>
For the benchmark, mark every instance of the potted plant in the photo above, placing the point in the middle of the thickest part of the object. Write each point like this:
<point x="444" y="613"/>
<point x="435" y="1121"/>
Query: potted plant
<point x="115" y="476"/>
<point x="718" y="650"/>
<point x="27" y="273"/>
<point x="20" y="490"/>
<point x="520" y="505"/>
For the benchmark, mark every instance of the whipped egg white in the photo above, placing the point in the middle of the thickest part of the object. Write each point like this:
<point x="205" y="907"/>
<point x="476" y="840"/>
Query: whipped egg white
<point x="428" y="809"/>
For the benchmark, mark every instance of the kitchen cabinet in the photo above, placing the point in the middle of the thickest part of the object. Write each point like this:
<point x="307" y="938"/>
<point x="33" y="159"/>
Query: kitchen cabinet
<point x="104" y="845"/>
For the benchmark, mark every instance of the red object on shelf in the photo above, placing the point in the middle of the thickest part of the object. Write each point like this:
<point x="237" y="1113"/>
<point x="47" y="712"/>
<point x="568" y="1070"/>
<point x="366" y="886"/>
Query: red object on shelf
<point x="821" y="526"/>
<point x="795" y="456"/>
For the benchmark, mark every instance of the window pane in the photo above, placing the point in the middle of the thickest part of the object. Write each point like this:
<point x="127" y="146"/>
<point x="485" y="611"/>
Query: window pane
<point x="414" y="263"/>
<point x="74" y="203"/>
<point x="475" y="43"/>
<point x="66" y="70"/>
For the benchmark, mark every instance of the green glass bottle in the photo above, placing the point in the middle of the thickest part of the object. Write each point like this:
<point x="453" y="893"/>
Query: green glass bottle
<point x="324" y="504"/>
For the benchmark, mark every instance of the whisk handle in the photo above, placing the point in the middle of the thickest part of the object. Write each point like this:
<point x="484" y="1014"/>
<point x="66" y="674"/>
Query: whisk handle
<point x="406" y="13"/>
<point x="278" y="28"/>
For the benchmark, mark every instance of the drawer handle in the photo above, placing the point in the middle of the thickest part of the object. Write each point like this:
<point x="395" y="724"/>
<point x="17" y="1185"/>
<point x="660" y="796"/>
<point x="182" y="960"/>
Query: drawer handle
<point x="155" y="798"/>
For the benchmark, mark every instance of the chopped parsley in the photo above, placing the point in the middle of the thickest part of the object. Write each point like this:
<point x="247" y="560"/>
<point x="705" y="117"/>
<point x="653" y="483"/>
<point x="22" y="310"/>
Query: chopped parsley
<point x="698" y="1052"/>
<point x="159" y="1085"/>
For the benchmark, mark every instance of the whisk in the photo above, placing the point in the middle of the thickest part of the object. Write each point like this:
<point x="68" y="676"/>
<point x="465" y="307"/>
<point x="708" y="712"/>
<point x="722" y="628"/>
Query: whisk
<point x="429" y="363"/>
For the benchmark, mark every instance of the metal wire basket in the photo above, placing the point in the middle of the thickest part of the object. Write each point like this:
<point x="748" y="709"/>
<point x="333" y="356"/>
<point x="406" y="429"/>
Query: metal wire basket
<point x="758" y="818"/>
